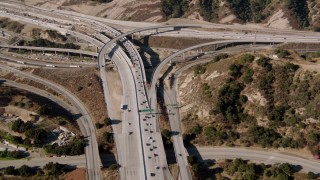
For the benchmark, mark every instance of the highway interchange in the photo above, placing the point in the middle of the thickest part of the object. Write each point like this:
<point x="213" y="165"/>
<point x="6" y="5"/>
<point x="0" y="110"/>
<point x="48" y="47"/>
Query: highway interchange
<point x="137" y="156"/>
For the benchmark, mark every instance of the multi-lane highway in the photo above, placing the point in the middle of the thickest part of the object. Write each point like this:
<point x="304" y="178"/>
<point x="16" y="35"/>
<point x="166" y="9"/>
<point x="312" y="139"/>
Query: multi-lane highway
<point x="51" y="64"/>
<point x="45" y="49"/>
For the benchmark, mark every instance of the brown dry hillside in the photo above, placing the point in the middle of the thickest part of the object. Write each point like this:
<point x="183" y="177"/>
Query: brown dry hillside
<point x="252" y="100"/>
<point x="271" y="13"/>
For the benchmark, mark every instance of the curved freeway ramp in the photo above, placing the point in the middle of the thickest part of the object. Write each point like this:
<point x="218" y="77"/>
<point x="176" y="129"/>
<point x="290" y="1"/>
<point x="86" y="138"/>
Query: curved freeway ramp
<point x="92" y="154"/>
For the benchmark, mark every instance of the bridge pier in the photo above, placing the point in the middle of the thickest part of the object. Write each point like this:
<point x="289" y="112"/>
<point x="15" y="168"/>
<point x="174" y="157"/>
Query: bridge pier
<point x="80" y="55"/>
<point x="183" y="56"/>
<point x="68" y="54"/>
<point x="132" y="37"/>
<point x="157" y="30"/>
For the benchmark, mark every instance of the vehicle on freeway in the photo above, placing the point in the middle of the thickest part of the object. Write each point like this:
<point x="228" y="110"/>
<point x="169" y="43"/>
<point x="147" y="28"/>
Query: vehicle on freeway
<point x="50" y="65"/>
<point x="21" y="62"/>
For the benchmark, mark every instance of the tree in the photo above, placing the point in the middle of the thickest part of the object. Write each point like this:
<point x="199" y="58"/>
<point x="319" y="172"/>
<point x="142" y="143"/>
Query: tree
<point x="38" y="135"/>
<point x="221" y="56"/>
<point x="166" y="136"/>
<point x="10" y="170"/>
<point x="25" y="171"/>
<point x="209" y="9"/>
<point x="54" y="169"/>
<point x="174" y="8"/>
<point x="281" y="52"/>
<point x="21" y="126"/>
<point x="262" y="136"/>
<point x="45" y="110"/>
<point x="107" y="121"/>
<point x="282" y="176"/>
<point x="300" y="10"/>
<point x="108" y="137"/>
<point x="287" y="168"/>
<point x="235" y="70"/>
<point x="113" y="167"/>
<point x="99" y="125"/>
<point x="192" y="159"/>
<point x="265" y="63"/>
<point x="311" y="175"/>
<point x="247" y="77"/>
<point x="197" y="129"/>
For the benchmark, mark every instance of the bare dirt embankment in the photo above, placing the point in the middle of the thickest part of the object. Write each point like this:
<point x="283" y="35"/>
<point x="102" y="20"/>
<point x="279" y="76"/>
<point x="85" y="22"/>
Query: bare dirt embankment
<point x="78" y="174"/>
<point x="85" y="84"/>
<point x="134" y="10"/>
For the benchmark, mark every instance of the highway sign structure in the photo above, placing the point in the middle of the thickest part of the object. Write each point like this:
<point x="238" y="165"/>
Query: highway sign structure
<point x="147" y="110"/>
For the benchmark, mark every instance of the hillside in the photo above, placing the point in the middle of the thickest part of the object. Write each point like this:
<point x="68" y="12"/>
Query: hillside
<point x="252" y="100"/>
<point x="296" y="14"/>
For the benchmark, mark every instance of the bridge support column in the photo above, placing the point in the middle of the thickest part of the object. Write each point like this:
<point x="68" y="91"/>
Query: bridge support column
<point x="97" y="50"/>
<point x="68" y="54"/>
<point x="200" y="50"/>
<point x="157" y="31"/>
<point x="80" y="55"/>
<point x="197" y="51"/>
<point x="183" y="56"/>
<point x="139" y="35"/>
<point x="132" y="37"/>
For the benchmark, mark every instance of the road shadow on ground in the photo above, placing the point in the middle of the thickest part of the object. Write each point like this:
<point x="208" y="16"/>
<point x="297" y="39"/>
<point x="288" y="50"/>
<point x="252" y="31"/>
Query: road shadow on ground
<point x="107" y="157"/>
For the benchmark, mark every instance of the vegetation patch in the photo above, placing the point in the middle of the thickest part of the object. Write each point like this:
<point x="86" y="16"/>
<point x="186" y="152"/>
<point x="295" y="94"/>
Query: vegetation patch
<point x="13" y="26"/>
<point x="75" y="147"/>
<point x="258" y="102"/>
<point x="242" y="169"/>
<point x="299" y="9"/>
<point x="209" y="9"/>
<point x="174" y="8"/>
<point x="49" y="171"/>
<point x="39" y="42"/>
<point x="249" y="10"/>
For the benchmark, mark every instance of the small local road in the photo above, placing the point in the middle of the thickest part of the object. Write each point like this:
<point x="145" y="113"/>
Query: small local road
<point x="267" y="157"/>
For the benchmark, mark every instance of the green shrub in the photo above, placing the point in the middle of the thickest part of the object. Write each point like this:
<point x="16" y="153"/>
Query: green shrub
<point x="247" y="58"/>
<point x="221" y="56"/>
<point x="199" y="69"/>
<point x="265" y="63"/>
<point x="113" y="167"/>
<point x="235" y="70"/>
